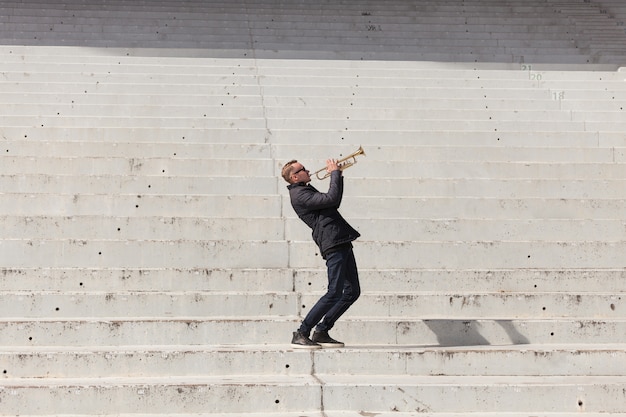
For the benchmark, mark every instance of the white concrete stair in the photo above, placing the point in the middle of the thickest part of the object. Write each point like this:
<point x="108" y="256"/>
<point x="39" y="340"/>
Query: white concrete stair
<point x="472" y="31"/>
<point x="151" y="263"/>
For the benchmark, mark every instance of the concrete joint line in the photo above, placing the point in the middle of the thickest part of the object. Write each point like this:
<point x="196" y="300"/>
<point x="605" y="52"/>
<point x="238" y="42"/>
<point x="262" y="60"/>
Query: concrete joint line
<point x="258" y="81"/>
<point x="321" y="384"/>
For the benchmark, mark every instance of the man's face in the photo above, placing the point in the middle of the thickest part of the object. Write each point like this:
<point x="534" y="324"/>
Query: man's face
<point x="299" y="173"/>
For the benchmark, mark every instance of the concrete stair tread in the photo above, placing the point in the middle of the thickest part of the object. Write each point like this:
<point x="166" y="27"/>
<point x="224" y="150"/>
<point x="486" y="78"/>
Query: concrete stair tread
<point x="115" y="279"/>
<point x="333" y="413"/>
<point x="325" y="379"/>
<point x="565" y="148"/>
<point x="348" y="349"/>
<point x="218" y="304"/>
<point x="166" y="380"/>
<point x="274" y="85"/>
<point x="259" y="318"/>
<point x="211" y="57"/>
<point x="480" y="380"/>
<point x="242" y="69"/>
<point x="159" y="185"/>
<point x="368" y="74"/>
<point x="341" y="413"/>
<point x="399" y="207"/>
<point x="269" y="359"/>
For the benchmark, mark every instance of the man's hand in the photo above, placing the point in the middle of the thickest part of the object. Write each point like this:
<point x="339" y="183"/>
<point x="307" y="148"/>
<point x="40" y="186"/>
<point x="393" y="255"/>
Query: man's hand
<point x="331" y="165"/>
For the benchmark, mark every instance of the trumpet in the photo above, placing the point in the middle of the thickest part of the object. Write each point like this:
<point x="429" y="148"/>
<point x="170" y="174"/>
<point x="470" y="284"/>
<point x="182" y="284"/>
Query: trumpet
<point x="343" y="163"/>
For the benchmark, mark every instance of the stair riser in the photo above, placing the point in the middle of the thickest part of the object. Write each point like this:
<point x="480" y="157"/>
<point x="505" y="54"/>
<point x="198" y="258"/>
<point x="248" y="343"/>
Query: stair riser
<point x="172" y="228"/>
<point x="114" y="279"/>
<point x="555" y="397"/>
<point x="464" y="306"/>
<point x="379" y="361"/>
<point x="310" y="280"/>
<point x="353" y="332"/>
<point x="159" y="399"/>
<point x="246" y="304"/>
<point x="162" y="170"/>
<point x="282" y="254"/>
<point x="240" y="185"/>
<point x="258" y="397"/>
<point x="268" y="206"/>
<point x="148" y="305"/>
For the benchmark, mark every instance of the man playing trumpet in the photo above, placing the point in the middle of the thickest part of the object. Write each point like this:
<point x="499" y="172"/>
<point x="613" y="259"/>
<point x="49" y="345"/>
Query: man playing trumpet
<point x="334" y="236"/>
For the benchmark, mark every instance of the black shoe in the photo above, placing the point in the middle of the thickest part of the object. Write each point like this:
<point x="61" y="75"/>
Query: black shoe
<point x="300" y="341"/>
<point x="325" y="340"/>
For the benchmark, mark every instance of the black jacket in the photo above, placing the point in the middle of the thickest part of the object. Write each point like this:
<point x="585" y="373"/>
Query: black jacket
<point x="319" y="211"/>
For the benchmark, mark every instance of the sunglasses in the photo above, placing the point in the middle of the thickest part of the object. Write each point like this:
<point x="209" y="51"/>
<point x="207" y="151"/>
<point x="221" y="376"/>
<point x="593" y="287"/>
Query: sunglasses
<point x="299" y="171"/>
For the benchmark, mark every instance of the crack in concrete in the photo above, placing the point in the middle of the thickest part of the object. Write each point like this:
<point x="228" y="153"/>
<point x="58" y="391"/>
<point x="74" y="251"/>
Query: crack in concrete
<point x="321" y="384"/>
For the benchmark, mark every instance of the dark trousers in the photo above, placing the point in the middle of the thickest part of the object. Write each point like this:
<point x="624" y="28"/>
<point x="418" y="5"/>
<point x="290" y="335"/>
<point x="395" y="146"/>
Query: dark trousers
<point x="343" y="291"/>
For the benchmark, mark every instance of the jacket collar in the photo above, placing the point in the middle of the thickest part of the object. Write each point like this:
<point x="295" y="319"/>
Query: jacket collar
<point x="297" y="184"/>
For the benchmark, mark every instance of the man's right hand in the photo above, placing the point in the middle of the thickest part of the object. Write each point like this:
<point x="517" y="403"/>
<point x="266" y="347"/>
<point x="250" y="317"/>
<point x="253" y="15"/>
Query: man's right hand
<point x="331" y="165"/>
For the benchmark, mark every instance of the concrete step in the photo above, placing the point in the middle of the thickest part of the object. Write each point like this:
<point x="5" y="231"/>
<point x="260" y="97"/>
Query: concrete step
<point x="165" y="60"/>
<point x="121" y="253"/>
<point x="338" y="50"/>
<point x="132" y="279"/>
<point x="182" y="129"/>
<point x="300" y="31"/>
<point x="443" y="149"/>
<point x="330" y="111"/>
<point x="502" y="126"/>
<point x="44" y="102"/>
<point x="70" y="305"/>
<point x="341" y="413"/>
<point x="268" y="206"/>
<point x="137" y="122"/>
<point x="360" y="78"/>
<point x="67" y="62"/>
<point x="162" y="254"/>
<point x="438" y="149"/>
<point x="122" y="165"/>
<point x="176" y="361"/>
<point x="199" y="228"/>
<point x="376" y="162"/>
<point x="372" y="187"/>
<point x="354" y="331"/>
<point x="477" y="304"/>
<point x="465" y="255"/>
<point x="162" y="396"/>
<point x="460" y="207"/>
<point x="242" y="206"/>
<point x="330" y="413"/>
<point x="326" y="137"/>
<point x="159" y="170"/>
<point x="305" y="87"/>
<point x="612" y="112"/>
<point x="302" y="393"/>
<point x="160" y="184"/>
<point x="145" y="228"/>
<point x="246" y="304"/>
<point x="83" y="148"/>
<point x="48" y="64"/>
<point x="145" y="135"/>
<point x="115" y="280"/>
<point x="491" y="394"/>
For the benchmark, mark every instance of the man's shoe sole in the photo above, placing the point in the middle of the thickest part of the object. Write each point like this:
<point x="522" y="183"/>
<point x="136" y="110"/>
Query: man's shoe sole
<point x="331" y="345"/>
<point x="295" y="346"/>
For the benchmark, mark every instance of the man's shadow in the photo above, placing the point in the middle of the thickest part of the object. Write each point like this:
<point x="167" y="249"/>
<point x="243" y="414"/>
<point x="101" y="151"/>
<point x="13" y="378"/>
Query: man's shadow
<point x="467" y="333"/>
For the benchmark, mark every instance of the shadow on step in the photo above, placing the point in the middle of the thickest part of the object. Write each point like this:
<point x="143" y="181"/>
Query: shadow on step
<point x="468" y="333"/>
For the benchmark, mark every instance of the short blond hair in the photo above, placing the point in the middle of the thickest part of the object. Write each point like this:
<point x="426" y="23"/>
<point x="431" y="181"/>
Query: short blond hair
<point x="286" y="173"/>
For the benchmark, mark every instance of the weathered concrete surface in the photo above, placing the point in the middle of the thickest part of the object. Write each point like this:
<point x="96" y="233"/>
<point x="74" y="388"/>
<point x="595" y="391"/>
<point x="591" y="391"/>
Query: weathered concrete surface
<point x="151" y="263"/>
<point x="279" y="359"/>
